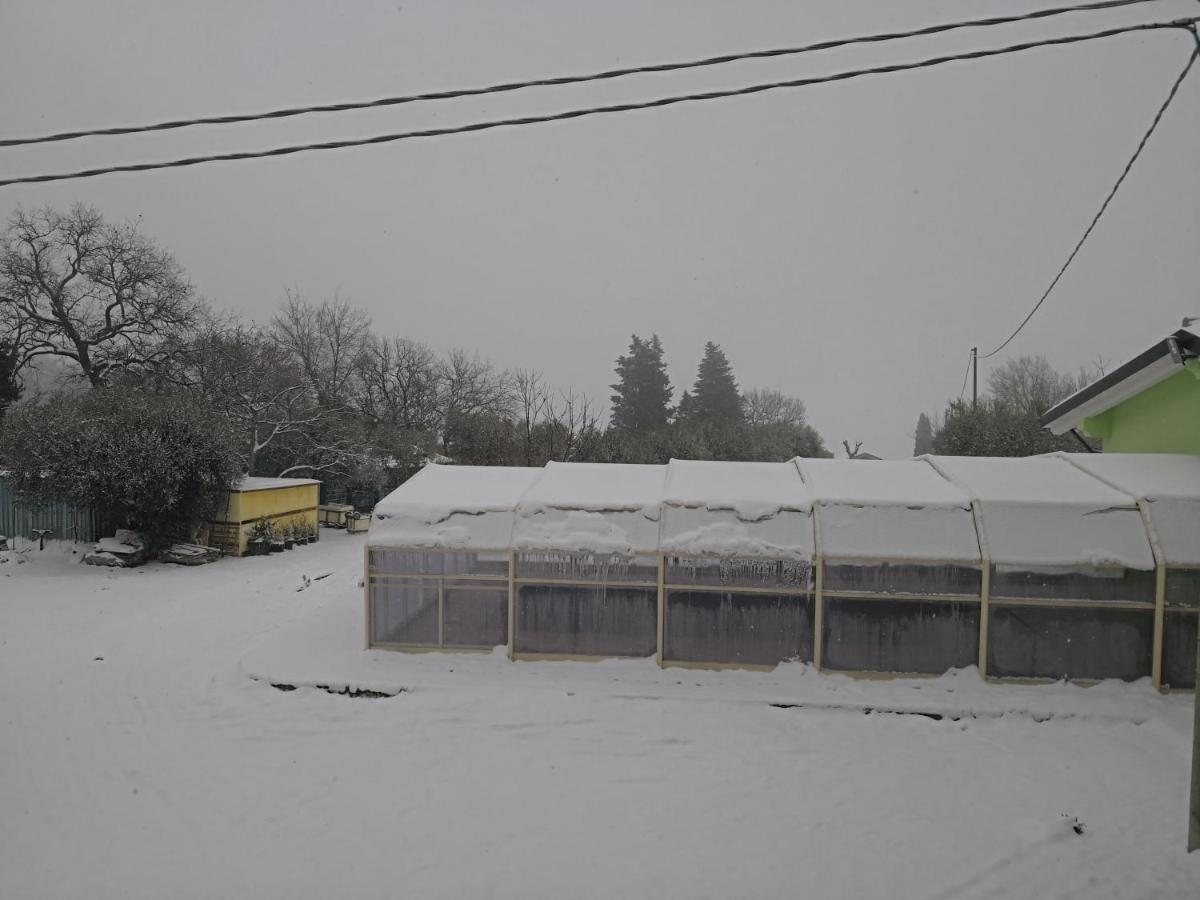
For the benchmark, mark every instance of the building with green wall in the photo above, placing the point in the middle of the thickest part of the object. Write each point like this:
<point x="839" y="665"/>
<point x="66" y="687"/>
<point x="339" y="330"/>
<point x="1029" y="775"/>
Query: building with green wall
<point x="1150" y="404"/>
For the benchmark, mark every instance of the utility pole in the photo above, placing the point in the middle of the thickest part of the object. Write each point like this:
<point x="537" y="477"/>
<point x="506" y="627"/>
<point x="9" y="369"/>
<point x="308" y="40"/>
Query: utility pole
<point x="974" y="377"/>
<point x="1194" y="810"/>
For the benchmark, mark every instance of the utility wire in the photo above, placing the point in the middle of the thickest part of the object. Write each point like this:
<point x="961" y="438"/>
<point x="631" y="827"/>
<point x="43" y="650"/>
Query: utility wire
<point x="572" y="79"/>
<point x="597" y="110"/>
<point x="966" y="374"/>
<point x="1107" y="200"/>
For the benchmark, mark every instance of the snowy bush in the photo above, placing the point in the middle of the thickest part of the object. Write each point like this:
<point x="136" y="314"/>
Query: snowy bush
<point x="156" y="464"/>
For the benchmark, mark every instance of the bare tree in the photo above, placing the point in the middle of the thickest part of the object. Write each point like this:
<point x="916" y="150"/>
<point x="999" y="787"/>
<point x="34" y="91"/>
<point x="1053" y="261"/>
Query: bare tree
<point x="254" y="381"/>
<point x="473" y="385"/>
<point x="399" y="384"/>
<point x="1030" y="385"/>
<point x="327" y="339"/>
<point x="100" y="295"/>
<point x="572" y="421"/>
<point x="763" y="406"/>
<point x="852" y="454"/>
<point x="533" y="403"/>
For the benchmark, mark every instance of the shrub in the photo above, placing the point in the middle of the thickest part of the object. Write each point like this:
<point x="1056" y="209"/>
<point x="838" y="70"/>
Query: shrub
<point x="156" y="464"/>
<point x="263" y="530"/>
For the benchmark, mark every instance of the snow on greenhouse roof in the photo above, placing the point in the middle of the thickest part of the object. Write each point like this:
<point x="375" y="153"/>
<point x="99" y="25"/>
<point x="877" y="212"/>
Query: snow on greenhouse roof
<point x="890" y="509"/>
<point x="754" y="490"/>
<point x="453" y="506"/>
<point x="596" y="487"/>
<point x="895" y="482"/>
<point x="1170" y="485"/>
<point x="1043" y="511"/>
<point x="592" y="507"/>
<point x="756" y="509"/>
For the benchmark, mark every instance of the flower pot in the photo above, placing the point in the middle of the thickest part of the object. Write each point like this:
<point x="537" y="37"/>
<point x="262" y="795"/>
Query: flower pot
<point x="257" y="548"/>
<point x="289" y="544"/>
<point x="277" y="547"/>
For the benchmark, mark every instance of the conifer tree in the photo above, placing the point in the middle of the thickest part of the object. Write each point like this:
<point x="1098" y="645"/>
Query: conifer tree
<point x="715" y="394"/>
<point x="924" y="437"/>
<point x="642" y="395"/>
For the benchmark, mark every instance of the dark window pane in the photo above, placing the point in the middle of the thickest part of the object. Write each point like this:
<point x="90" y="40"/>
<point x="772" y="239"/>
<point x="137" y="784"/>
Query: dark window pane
<point x="404" y="614"/>
<point x="893" y="578"/>
<point x="405" y="562"/>
<point x="768" y="573"/>
<point x="900" y="635"/>
<point x="716" y="626"/>
<point x="589" y="621"/>
<point x="474" y="616"/>
<point x="1045" y="642"/>
<point x="1183" y="588"/>
<point x="587" y="567"/>
<point x="1130" y="585"/>
<point x="1179" y="649"/>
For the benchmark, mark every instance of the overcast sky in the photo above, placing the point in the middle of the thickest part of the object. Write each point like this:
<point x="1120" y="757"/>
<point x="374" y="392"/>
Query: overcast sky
<point x="845" y="244"/>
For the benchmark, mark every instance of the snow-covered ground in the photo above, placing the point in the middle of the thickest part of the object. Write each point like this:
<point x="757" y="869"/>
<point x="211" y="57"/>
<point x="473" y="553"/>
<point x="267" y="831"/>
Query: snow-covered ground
<point x="144" y="753"/>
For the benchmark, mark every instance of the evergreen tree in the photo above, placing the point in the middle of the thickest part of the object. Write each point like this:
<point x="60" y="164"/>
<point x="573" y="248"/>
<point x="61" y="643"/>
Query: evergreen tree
<point x="715" y="394"/>
<point x="924" y="442"/>
<point x="10" y="388"/>
<point x="642" y="395"/>
<point x="994" y="428"/>
<point x="686" y="408"/>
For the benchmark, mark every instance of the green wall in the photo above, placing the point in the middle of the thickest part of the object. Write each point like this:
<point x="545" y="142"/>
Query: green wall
<point x="1161" y="419"/>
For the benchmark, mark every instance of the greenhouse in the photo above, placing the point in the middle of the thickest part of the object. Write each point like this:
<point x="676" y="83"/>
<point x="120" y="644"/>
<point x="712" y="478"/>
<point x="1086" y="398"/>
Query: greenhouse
<point x="1080" y="566"/>
<point x="1167" y="490"/>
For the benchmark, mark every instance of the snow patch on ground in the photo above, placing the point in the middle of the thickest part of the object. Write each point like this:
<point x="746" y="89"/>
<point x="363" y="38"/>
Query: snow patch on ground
<point x="139" y="760"/>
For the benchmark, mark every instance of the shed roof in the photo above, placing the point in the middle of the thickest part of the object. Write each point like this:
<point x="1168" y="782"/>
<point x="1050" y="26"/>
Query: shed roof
<point x="254" y="483"/>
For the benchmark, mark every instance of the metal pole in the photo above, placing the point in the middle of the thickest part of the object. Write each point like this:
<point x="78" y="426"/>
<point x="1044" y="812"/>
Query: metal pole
<point x="974" y="377"/>
<point x="1194" y="811"/>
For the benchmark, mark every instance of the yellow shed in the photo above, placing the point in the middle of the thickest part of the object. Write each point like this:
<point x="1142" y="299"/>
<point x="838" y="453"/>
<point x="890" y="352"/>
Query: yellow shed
<point x="282" y="500"/>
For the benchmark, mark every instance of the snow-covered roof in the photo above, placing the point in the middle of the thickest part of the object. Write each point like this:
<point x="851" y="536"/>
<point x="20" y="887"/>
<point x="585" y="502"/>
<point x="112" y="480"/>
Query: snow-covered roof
<point x="748" y="509"/>
<point x="255" y="483"/>
<point x="1039" y="511"/>
<point x="453" y="506"/>
<point x="1170" y="485"/>
<point x="592" y="507"/>
<point x="892" y="509"/>
<point x="1043" y="511"/>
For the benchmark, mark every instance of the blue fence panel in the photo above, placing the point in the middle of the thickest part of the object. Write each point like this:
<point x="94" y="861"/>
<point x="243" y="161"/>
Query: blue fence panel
<point x="69" y="523"/>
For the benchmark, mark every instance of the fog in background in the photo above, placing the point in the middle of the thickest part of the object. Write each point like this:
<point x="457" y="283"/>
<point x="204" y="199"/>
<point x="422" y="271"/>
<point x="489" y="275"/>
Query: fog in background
<point x="845" y="243"/>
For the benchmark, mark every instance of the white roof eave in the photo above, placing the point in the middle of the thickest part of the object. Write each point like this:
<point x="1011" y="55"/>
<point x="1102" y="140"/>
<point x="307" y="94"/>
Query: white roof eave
<point x="1159" y="370"/>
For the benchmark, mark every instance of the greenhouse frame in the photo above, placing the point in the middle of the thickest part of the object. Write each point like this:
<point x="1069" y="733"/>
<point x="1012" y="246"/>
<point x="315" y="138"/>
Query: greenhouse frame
<point x="1078" y="566"/>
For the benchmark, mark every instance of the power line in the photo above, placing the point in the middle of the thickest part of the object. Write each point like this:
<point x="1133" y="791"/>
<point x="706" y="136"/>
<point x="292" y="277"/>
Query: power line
<point x="596" y="110"/>
<point x="963" y="390"/>
<point x="571" y="79"/>
<point x="1107" y="200"/>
